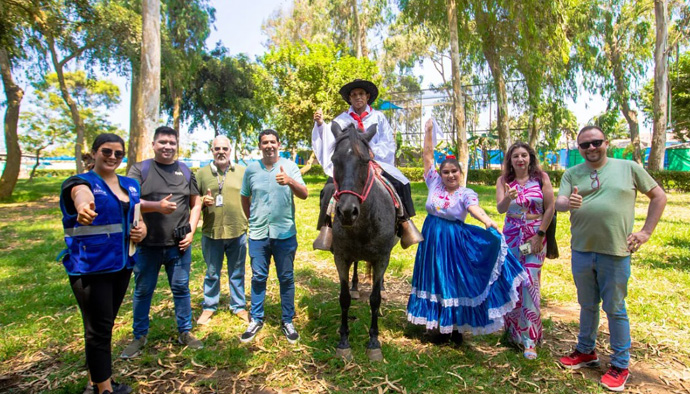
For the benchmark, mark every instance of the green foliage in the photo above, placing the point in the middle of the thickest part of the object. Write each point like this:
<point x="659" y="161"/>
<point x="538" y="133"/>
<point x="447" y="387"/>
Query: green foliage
<point x="679" y="80"/>
<point x="672" y="180"/>
<point x="48" y="124"/>
<point x="306" y="77"/>
<point x="226" y="93"/>
<point x="611" y="123"/>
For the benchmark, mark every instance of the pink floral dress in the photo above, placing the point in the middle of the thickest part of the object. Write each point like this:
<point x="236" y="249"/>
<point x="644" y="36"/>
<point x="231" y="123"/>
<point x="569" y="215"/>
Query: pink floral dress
<point x="524" y="322"/>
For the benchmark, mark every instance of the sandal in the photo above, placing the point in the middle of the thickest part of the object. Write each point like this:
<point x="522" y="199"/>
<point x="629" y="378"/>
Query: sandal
<point x="530" y="353"/>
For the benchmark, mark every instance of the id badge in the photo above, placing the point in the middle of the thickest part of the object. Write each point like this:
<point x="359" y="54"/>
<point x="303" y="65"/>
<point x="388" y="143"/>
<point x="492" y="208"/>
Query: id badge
<point x="219" y="200"/>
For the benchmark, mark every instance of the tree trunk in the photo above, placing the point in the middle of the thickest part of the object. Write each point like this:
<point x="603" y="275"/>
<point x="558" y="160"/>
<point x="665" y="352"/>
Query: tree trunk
<point x="656" y="155"/>
<point x="623" y="95"/>
<point x="14" y="95"/>
<point x="148" y="102"/>
<point x="307" y="166"/>
<point x="177" y="104"/>
<point x="357" y="31"/>
<point x="458" y="99"/>
<point x="134" y="132"/>
<point x="37" y="163"/>
<point x="501" y="102"/>
<point x="71" y="104"/>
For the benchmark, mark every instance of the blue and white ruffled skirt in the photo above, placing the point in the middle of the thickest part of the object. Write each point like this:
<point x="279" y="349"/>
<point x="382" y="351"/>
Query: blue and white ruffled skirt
<point x="464" y="279"/>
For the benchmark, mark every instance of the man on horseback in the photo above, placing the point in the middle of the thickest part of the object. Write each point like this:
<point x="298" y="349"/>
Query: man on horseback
<point x="360" y="94"/>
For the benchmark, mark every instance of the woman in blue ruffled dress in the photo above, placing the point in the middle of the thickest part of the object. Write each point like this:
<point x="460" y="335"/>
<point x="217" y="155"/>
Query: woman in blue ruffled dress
<point x="465" y="280"/>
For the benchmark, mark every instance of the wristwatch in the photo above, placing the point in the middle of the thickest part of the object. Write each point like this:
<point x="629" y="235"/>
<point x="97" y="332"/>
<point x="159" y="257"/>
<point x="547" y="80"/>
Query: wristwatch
<point x="540" y="233"/>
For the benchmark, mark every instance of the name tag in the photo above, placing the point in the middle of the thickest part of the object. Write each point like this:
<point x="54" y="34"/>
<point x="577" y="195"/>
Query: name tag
<point x="219" y="200"/>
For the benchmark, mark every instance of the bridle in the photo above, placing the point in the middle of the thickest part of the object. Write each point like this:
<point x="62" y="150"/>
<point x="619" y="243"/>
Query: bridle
<point x="367" y="185"/>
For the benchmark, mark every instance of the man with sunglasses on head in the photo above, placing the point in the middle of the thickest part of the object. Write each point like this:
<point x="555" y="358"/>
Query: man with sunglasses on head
<point x="223" y="231"/>
<point x="600" y="195"/>
<point x="171" y="206"/>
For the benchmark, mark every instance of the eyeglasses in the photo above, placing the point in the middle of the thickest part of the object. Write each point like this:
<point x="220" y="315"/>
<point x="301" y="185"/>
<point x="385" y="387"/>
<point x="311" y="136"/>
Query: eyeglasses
<point x="107" y="152"/>
<point x="219" y="148"/>
<point x="594" y="176"/>
<point x="595" y="143"/>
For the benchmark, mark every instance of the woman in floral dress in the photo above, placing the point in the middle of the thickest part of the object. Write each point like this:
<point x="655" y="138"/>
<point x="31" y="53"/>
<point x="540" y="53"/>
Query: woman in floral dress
<point x="524" y="193"/>
<point x="464" y="279"/>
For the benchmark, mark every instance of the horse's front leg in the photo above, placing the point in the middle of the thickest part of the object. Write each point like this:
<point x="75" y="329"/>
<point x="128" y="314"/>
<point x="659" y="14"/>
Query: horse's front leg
<point x="354" y="290"/>
<point x="343" y="350"/>
<point x="374" y="346"/>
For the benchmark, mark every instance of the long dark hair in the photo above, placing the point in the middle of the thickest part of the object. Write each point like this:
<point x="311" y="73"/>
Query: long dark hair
<point x="533" y="170"/>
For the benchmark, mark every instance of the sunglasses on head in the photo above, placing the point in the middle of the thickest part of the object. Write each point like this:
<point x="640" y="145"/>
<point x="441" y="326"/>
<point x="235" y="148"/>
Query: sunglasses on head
<point x="595" y="143"/>
<point x="107" y="152"/>
<point x="219" y="148"/>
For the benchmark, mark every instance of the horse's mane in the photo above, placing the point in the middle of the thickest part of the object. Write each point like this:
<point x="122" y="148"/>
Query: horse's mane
<point x="351" y="133"/>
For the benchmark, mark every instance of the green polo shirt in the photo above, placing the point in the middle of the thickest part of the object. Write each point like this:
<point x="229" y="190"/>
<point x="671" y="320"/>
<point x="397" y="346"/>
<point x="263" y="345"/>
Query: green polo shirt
<point x="607" y="215"/>
<point x="228" y="221"/>
<point x="272" y="209"/>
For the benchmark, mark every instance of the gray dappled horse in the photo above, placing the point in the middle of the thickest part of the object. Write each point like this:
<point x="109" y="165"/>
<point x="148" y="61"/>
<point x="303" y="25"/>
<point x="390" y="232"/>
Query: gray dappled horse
<point x="364" y="226"/>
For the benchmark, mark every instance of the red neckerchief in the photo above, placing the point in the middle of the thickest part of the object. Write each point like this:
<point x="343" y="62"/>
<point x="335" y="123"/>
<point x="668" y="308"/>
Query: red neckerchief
<point x="360" y="124"/>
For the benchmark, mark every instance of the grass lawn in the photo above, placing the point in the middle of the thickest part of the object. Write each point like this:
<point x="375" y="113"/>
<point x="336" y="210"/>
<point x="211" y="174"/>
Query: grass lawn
<point x="41" y="345"/>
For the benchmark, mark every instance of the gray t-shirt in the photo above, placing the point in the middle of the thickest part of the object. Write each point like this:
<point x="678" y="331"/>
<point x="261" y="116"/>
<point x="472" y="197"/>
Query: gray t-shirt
<point x="162" y="180"/>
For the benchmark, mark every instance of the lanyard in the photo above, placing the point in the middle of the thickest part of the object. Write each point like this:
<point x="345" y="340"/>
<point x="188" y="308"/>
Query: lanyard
<point x="221" y="180"/>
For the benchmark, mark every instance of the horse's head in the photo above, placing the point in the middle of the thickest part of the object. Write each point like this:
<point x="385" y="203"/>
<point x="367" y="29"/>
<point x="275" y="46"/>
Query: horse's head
<point x="351" y="169"/>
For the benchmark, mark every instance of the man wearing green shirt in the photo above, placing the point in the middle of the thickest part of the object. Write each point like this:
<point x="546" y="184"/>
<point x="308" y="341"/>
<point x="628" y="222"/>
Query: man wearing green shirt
<point x="600" y="194"/>
<point x="224" y="230"/>
<point x="267" y="199"/>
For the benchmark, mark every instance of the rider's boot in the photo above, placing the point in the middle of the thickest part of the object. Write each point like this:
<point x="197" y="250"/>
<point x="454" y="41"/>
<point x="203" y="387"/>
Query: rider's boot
<point x="325" y="239"/>
<point x="409" y="235"/>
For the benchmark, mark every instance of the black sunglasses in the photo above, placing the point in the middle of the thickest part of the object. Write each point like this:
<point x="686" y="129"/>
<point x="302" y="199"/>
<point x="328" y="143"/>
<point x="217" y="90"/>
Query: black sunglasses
<point x="595" y="143"/>
<point x="218" y="148"/>
<point x="107" y="152"/>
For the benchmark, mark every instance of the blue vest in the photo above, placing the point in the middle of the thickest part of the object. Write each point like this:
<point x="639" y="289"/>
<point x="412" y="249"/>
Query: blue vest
<point x="100" y="247"/>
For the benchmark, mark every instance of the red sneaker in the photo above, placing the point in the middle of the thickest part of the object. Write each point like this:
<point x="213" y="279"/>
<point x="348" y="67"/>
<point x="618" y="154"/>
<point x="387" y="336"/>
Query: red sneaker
<point x="577" y="360"/>
<point x="614" y="379"/>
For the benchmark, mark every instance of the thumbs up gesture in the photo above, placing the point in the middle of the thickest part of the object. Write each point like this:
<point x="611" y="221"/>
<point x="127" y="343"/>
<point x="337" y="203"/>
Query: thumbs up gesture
<point x="208" y="198"/>
<point x="575" y="200"/>
<point x="512" y="191"/>
<point x="86" y="213"/>
<point x="166" y="206"/>
<point x="282" y="178"/>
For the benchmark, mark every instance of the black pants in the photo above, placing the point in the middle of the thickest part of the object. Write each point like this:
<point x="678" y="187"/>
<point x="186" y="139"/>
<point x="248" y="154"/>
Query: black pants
<point x="403" y="190"/>
<point x="99" y="297"/>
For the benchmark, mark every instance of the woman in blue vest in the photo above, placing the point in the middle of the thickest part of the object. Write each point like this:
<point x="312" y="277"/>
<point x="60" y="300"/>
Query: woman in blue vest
<point x="98" y="210"/>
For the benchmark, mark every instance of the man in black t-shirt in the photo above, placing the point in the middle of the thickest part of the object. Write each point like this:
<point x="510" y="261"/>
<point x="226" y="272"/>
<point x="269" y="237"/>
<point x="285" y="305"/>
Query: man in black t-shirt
<point x="171" y="206"/>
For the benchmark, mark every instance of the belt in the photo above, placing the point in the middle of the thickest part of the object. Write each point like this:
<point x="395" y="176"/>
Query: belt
<point x="526" y="216"/>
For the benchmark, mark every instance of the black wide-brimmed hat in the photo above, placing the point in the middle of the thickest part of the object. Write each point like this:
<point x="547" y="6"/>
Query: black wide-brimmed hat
<point x="368" y="87"/>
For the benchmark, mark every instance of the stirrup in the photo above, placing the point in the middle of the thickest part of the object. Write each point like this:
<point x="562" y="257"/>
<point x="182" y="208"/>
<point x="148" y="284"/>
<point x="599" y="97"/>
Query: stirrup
<point x="325" y="239"/>
<point x="410" y="234"/>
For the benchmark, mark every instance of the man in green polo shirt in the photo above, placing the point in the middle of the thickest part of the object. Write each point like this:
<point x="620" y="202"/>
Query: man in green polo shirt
<point x="224" y="230"/>
<point x="600" y="195"/>
<point x="267" y="199"/>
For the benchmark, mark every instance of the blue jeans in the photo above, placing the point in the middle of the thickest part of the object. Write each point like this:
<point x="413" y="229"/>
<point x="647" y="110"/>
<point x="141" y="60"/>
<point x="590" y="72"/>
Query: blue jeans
<point x="283" y="252"/>
<point x="146" y="277"/>
<point x="235" y="249"/>
<point x="603" y="277"/>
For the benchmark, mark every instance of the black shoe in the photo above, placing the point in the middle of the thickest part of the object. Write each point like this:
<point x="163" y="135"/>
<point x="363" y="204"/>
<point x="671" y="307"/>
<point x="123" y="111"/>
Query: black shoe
<point x="290" y="333"/>
<point x="253" y="329"/>
<point x="118" y="388"/>
<point x="456" y="337"/>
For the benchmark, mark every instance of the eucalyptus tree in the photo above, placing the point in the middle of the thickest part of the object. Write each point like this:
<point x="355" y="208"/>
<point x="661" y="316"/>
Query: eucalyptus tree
<point x="13" y="52"/>
<point x="187" y="25"/>
<point x="95" y="32"/>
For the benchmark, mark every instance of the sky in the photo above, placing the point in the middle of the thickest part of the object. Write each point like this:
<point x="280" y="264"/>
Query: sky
<point x="240" y="31"/>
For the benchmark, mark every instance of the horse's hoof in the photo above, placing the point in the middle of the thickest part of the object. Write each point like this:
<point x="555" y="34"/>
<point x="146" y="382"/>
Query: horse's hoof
<point x="354" y="294"/>
<point x="345" y="354"/>
<point x="375" y="354"/>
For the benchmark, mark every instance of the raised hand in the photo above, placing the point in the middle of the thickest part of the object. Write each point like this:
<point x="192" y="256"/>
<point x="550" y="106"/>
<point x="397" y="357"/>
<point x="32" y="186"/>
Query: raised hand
<point x="575" y="200"/>
<point x="283" y="178"/>
<point x="166" y="206"/>
<point x="208" y="198"/>
<point x="86" y="213"/>
<point x="511" y="191"/>
<point x="318" y="117"/>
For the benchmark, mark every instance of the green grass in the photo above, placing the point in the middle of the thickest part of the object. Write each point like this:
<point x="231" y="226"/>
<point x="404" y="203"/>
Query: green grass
<point x="41" y="346"/>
